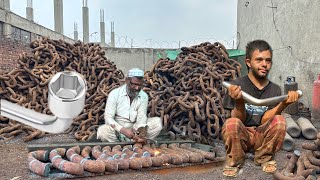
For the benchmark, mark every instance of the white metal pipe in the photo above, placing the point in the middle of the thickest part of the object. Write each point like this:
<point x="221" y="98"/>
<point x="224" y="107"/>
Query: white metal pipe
<point x="261" y="102"/>
<point x="43" y="122"/>
<point x="66" y="101"/>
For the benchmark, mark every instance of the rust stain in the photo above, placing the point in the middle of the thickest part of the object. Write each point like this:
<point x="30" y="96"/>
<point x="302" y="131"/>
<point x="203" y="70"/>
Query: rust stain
<point x="194" y="169"/>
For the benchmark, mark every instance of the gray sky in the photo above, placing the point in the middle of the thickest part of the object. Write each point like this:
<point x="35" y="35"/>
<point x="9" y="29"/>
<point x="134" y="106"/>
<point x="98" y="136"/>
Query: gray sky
<point x="145" y="23"/>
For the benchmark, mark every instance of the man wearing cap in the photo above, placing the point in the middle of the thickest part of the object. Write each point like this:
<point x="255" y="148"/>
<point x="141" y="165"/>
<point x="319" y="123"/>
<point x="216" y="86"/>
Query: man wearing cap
<point x="126" y="113"/>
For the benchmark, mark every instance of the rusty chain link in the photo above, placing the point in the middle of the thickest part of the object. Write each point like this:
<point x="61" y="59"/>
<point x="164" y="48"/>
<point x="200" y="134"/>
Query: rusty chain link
<point x="190" y="91"/>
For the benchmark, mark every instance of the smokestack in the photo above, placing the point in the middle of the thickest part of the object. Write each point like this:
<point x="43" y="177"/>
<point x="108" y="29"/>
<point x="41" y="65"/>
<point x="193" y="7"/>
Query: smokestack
<point x="85" y="19"/>
<point x="58" y="16"/>
<point x="102" y="28"/>
<point x="112" y="35"/>
<point x="29" y="10"/>
<point x="75" y="34"/>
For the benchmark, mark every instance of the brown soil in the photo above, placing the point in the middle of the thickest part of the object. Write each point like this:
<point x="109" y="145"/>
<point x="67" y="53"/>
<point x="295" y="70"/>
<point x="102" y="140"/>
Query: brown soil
<point x="14" y="165"/>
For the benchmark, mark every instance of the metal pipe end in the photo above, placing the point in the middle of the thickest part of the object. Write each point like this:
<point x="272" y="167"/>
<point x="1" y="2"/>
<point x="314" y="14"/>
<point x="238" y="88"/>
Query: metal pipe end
<point x="67" y="92"/>
<point x="297" y="152"/>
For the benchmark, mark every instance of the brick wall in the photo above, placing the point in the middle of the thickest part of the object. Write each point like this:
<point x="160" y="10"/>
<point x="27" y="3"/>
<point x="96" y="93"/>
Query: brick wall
<point x="9" y="52"/>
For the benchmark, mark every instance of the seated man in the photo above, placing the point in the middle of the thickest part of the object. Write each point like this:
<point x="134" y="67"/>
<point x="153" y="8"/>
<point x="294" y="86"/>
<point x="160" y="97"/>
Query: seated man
<point x="126" y="113"/>
<point x="258" y="128"/>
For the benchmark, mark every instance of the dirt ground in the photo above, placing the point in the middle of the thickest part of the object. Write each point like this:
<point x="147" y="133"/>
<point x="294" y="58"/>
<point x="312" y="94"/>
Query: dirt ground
<point x="13" y="164"/>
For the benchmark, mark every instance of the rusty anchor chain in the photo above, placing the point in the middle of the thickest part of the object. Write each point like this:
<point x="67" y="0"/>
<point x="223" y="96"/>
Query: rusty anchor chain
<point x="187" y="93"/>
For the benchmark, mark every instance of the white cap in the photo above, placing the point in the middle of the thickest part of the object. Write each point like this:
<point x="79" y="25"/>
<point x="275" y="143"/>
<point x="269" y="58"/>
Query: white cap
<point x="135" y="72"/>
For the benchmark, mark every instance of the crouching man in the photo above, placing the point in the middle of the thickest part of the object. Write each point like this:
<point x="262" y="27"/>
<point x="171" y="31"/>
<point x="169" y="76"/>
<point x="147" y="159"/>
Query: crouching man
<point x="126" y="113"/>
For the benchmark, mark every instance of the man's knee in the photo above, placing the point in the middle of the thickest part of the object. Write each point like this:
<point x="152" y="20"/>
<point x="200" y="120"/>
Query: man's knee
<point x="279" y="121"/>
<point x="155" y="123"/>
<point x="154" y="127"/>
<point x="232" y="122"/>
<point x="106" y="133"/>
<point x="231" y="125"/>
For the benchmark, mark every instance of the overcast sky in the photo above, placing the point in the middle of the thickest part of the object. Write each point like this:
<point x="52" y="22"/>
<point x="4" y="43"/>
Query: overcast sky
<point x="145" y="23"/>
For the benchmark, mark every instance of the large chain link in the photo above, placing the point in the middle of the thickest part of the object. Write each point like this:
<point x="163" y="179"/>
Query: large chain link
<point x="190" y="91"/>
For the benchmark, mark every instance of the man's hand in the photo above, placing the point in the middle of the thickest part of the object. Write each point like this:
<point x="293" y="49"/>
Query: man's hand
<point x="235" y="92"/>
<point x="140" y="135"/>
<point x="293" y="96"/>
<point x="139" y="139"/>
<point x="127" y="132"/>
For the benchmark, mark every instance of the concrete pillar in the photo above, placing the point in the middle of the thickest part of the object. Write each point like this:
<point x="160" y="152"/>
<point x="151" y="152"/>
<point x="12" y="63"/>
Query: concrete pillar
<point x="85" y="19"/>
<point x="102" y="29"/>
<point x="7" y="28"/>
<point x="75" y="34"/>
<point x="58" y="16"/>
<point x="5" y="5"/>
<point x="112" y="44"/>
<point x="29" y="10"/>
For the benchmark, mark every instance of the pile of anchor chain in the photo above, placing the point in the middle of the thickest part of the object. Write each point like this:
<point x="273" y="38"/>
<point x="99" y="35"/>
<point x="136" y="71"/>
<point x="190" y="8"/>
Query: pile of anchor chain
<point x="27" y="85"/>
<point x="187" y="93"/>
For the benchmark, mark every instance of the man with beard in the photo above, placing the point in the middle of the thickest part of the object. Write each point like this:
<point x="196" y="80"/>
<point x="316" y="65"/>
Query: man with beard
<point x="260" y="129"/>
<point x="126" y="113"/>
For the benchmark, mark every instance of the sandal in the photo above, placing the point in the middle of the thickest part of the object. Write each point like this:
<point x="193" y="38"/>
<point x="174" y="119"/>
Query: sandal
<point x="230" y="171"/>
<point x="269" y="166"/>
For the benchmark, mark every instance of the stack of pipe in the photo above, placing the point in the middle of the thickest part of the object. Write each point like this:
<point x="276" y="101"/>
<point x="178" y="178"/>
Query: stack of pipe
<point x="111" y="159"/>
<point x="295" y="128"/>
<point x="306" y="163"/>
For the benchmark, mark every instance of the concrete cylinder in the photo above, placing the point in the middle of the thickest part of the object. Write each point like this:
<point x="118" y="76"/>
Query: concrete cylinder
<point x="292" y="127"/>
<point x="85" y="24"/>
<point x="288" y="143"/>
<point x="58" y="16"/>
<point x="308" y="130"/>
<point x="29" y="13"/>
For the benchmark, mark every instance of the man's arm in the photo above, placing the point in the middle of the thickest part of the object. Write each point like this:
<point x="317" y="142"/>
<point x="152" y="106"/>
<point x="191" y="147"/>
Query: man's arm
<point x="239" y="109"/>
<point x="109" y="114"/>
<point x="110" y="111"/>
<point x="292" y="97"/>
<point x="141" y="120"/>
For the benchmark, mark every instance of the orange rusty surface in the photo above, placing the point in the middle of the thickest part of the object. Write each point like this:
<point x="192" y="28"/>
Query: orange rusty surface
<point x="195" y="169"/>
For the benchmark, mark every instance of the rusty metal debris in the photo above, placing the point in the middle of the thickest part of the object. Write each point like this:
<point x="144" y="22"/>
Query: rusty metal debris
<point x="302" y="165"/>
<point x="187" y="93"/>
<point x="27" y="84"/>
<point x="111" y="159"/>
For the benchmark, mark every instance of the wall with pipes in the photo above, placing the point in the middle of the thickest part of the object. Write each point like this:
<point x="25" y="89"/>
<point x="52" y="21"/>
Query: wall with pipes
<point x="11" y="19"/>
<point x="292" y="29"/>
<point x="124" y="58"/>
